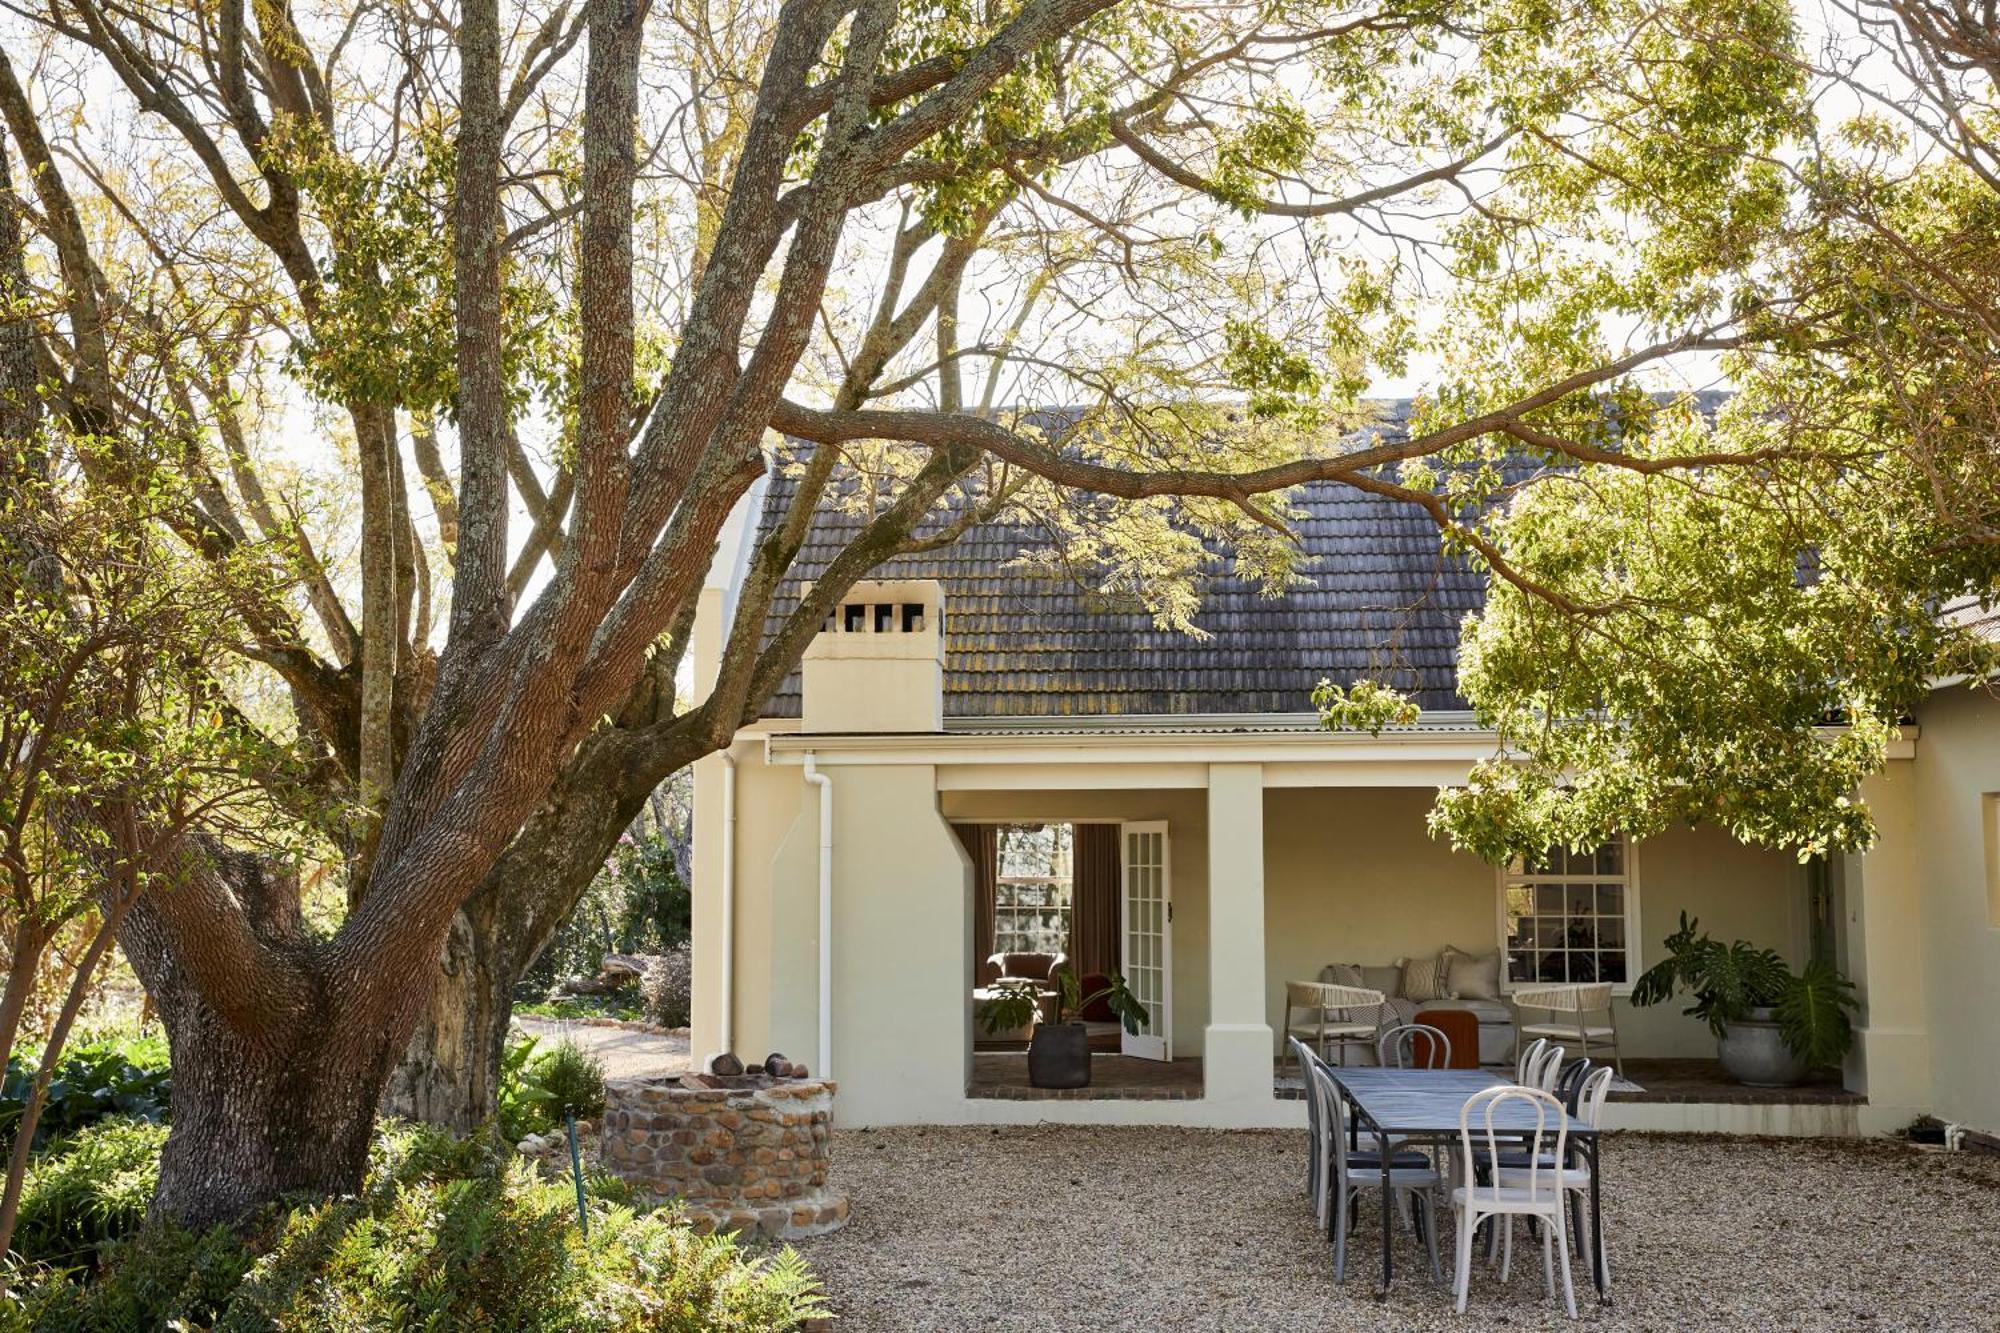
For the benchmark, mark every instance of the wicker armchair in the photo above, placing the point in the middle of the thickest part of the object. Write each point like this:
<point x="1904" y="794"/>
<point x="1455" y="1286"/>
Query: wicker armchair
<point x="1330" y="1016"/>
<point x="1570" y="1010"/>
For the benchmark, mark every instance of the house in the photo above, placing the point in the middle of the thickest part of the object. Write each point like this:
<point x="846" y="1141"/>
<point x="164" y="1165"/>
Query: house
<point x="957" y="706"/>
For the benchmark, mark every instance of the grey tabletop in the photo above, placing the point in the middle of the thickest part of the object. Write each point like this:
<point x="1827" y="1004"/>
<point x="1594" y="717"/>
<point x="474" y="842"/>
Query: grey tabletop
<point x="1428" y="1101"/>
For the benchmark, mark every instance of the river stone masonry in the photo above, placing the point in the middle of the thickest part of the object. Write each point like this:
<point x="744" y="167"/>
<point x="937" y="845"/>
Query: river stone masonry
<point x="750" y="1158"/>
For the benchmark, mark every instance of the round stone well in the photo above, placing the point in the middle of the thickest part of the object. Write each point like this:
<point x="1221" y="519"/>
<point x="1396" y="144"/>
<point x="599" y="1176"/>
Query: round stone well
<point x="750" y="1156"/>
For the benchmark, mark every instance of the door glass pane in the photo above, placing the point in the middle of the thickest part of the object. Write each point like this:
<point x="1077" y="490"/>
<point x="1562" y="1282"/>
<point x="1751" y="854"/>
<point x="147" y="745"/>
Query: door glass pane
<point x="1611" y="965"/>
<point x="1551" y="968"/>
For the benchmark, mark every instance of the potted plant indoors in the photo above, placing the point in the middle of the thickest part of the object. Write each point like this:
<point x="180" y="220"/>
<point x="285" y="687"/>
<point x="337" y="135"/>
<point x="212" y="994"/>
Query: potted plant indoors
<point x="1059" y="1050"/>
<point x="1772" y="1025"/>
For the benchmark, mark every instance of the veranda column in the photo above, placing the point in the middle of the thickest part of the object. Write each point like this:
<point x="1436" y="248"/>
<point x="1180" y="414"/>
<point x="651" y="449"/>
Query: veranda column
<point x="1883" y="944"/>
<point x="1237" y="1046"/>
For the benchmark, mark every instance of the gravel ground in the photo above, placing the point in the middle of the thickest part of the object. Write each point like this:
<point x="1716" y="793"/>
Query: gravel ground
<point x="1100" y="1229"/>
<point x="626" y="1052"/>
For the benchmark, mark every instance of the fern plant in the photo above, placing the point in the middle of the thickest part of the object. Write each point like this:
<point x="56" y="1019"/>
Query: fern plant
<point x="1727" y="981"/>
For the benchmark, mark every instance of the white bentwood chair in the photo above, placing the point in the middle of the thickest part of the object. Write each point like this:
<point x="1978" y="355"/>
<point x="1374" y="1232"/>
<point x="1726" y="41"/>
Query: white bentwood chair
<point x="1398" y="1047"/>
<point x="1573" y="1177"/>
<point x="1411" y="1175"/>
<point x="1536" y="1192"/>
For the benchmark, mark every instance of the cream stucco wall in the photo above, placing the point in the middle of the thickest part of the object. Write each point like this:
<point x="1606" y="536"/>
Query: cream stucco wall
<point x="1957" y="763"/>
<point x="1353" y="876"/>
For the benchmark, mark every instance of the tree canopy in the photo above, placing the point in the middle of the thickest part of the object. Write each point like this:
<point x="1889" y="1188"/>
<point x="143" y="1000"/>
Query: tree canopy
<point x="464" y="329"/>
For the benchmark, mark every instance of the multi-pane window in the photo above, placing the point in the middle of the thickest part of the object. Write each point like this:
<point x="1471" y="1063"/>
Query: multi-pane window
<point x="1031" y="899"/>
<point x="1569" y="916"/>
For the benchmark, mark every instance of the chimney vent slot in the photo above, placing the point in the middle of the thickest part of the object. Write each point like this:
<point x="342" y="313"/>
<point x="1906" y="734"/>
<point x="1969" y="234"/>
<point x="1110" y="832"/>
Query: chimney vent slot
<point x="854" y="617"/>
<point x="885" y="618"/>
<point x="913" y="617"/>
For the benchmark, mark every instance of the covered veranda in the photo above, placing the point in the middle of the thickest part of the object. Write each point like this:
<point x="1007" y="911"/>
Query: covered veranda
<point x="1292" y="848"/>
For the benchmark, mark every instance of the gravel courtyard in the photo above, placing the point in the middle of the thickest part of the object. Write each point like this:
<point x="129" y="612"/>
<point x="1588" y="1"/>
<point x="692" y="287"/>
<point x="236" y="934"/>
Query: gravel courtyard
<point x="984" y="1231"/>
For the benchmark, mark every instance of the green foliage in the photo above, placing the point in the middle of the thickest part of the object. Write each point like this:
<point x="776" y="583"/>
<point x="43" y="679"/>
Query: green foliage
<point x="87" y="1190"/>
<point x="637" y="904"/>
<point x="618" y="1006"/>
<point x="1812" y="1014"/>
<point x="1364" y="706"/>
<point x="93" y="1080"/>
<point x="446" y="1234"/>
<point x="537" y="1087"/>
<point x="1017" y="1004"/>
<point x="574" y="1080"/>
<point x="1728" y="981"/>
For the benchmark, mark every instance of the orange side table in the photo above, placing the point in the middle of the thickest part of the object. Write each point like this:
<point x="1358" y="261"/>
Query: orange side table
<point x="1460" y="1027"/>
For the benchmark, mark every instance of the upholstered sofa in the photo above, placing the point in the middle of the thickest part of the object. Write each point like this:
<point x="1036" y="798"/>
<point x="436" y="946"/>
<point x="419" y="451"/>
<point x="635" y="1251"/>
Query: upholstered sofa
<point x="1451" y="979"/>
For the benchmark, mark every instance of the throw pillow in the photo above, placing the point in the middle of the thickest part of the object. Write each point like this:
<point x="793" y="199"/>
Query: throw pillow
<point x="1472" y="977"/>
<point x="1341" y="974"/>
<point x="1384" y="979"/>
<point x="1423" y="979"/>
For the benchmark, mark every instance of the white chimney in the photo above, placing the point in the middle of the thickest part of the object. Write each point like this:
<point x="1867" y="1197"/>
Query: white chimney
<point x="877" y="664"/>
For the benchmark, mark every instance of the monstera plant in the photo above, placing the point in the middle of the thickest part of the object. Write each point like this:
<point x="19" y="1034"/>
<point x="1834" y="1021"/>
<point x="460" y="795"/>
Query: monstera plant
<point x="1771" y="1024"/>
<point x="1059" y="1051"/>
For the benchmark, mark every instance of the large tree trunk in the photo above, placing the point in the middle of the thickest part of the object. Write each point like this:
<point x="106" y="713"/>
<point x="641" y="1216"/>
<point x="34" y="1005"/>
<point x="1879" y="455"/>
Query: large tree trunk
<point x="254" y="1121"/>
<point x="280" y="1101"/>
<point x="450" y="1076"/>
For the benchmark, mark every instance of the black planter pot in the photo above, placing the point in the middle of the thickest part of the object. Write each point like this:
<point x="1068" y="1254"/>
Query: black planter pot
<point x="1059" y="1056"/>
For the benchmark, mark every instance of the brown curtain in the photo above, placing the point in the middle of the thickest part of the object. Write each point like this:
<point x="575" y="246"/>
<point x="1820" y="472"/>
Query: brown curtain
<point x="1093" y="918"/>
<point x="982" y="844"/>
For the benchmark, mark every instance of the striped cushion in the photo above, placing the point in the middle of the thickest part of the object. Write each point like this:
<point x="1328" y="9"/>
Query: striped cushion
<point x="1423" y="979"/>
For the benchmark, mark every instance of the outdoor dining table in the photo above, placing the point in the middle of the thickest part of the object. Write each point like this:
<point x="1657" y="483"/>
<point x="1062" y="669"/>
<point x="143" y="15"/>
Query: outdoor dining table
<point x="1400" y="1106"/>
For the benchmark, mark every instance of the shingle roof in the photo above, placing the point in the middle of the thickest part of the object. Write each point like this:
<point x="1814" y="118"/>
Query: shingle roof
<point x="1383" y="601"/>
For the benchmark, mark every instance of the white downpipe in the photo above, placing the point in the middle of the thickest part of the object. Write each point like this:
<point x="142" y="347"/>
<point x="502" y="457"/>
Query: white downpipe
<point x="727" y="1028"/>
<point x="825" y="784"/>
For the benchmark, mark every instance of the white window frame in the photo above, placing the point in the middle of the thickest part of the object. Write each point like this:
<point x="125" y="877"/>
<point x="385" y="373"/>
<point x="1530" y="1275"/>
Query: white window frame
<point x="1000" y="881"/>
<point x="1514" y="873"/>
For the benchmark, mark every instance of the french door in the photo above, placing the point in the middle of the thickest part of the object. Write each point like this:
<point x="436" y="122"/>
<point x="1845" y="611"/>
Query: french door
<point x="1146" y="930"/>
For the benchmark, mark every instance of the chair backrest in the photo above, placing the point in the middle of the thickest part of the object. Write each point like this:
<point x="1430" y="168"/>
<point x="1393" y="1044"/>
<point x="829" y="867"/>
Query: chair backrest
<point x="1586" y="998"/>
<point x="1413" y="1046"/>
<point x="1502" y="1118"/>
<point x="1332" y="1117"/>
<point x="1545" y="1072"/>
<point x="1569" y="1083"/>
<point x="1590" y="1097"/>
<point x="1525" y="1062"/>
<point x="1327" y="995"/>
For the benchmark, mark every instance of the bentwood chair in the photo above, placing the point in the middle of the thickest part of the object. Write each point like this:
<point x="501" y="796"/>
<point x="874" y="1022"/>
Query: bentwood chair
<point x="1528" y="1060"/>
<point x="1572" y="1177"/>
<point x="1331" y="1016"/>
<point x="1572" y="1011"/>
<point x="1412" y="1178"/>
<point x="1413" y="1046"/>
<point x="1536" y="1191"/>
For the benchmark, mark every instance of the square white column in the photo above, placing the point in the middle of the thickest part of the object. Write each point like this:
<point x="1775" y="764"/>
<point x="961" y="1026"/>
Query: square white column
<point x="1237" y="1050"/>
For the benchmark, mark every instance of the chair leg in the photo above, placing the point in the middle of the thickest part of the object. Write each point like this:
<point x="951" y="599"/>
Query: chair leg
<point x="1462" y="1282"/>
<point x="1340" y="1218"/>
<point x="1430" y="1210"/>
<point x="1562" y="1242"/>
<point x="1549" y="1259"/>
<point x="1506" y="1245"/>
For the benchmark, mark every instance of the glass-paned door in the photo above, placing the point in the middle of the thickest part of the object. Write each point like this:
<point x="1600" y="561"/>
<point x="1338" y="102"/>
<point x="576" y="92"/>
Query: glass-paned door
<point x="1147" y="937"/>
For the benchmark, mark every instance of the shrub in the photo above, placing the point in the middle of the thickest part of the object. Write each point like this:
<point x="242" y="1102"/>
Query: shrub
<point x="92" y="1080"/>
<point x="574" y="1079"/>
<point x="87" y="1190"/>
<point x="522" y="1107"/>
<point x="668" y="988"/>
<point x="446" y="1234"/>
